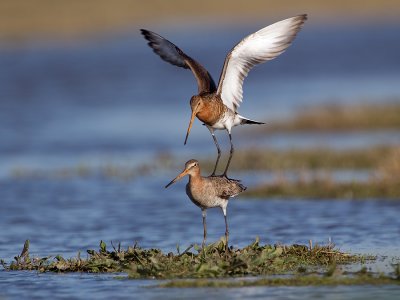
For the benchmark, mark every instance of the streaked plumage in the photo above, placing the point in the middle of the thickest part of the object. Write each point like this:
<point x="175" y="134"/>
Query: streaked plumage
<point x="215" y="106"/>
<point x="208" y="192"/>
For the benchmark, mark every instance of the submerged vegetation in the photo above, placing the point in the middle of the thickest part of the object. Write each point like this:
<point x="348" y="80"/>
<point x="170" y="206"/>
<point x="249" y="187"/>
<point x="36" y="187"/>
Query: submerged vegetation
<point x="360" y="278"/>
<point x="252" y="260"/>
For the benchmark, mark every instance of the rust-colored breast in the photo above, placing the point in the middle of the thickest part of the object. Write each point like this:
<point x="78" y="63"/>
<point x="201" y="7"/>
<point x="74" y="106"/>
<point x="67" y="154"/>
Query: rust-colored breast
<point x="212" y="111"/>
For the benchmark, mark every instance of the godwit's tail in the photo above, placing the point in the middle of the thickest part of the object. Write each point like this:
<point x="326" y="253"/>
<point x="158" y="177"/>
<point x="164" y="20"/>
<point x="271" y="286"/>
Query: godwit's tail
<point x="248" y="121"/>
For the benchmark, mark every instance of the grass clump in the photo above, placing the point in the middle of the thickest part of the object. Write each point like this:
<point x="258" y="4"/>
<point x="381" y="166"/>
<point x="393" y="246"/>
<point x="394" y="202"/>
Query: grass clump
<point x="326" y="188"/>
<point x="312" y="158"/>
<point x="212" y="262"/>
<point x="335" y="117"/>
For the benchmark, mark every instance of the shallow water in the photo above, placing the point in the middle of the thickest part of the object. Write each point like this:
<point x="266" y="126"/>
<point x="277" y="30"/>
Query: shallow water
<point x="99" y="286"/>
<point x="104" y="286"/>
<point x="112" y="101"/>
<point x="68" y="216"/>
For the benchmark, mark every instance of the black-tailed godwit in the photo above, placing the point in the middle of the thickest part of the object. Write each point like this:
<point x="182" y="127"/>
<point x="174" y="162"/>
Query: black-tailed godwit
<point x="216" y="106"/>
<point x="208" y="192"/>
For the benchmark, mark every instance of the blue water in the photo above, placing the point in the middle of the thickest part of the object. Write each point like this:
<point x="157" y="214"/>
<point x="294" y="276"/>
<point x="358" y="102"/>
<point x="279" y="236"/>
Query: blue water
<point x="112" y="102"/>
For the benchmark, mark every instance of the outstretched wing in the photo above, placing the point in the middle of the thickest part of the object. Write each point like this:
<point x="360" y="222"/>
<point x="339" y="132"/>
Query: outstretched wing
<point x="259" y="47"/>
<point x="172" y="54"/>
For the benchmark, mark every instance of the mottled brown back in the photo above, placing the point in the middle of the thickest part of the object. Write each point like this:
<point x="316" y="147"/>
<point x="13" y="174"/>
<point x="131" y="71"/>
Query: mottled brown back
<point x="226" y="188"/>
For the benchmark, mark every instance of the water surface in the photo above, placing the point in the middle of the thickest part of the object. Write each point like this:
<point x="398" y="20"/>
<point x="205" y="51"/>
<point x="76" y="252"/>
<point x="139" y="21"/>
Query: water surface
<point x="111" y="101"/>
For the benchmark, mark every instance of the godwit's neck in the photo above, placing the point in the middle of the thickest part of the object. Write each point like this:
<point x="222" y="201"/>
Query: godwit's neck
<point x="195" y="177"/>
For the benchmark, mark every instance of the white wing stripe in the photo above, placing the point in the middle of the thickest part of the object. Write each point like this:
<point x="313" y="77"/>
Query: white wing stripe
<point x="261" y="46"/>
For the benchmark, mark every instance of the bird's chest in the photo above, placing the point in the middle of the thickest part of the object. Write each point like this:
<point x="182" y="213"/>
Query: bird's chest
<point x="211" y="113"/>
<point x="202" y="196"/>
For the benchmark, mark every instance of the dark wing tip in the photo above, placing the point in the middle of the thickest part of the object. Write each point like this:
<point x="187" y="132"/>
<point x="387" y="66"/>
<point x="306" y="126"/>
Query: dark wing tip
<point x="164" y="48"/>
<point x="151" y="36"/>
<point x="304" y="16"/>
<point x="145" y="33"/>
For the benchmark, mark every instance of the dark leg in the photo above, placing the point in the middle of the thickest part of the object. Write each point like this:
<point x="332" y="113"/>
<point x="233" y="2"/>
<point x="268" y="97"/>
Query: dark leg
<point x="226" y="231"/>
<point x="205" y="228"/>
<point x="219" y="153"/>
<point x="230" y="156"/>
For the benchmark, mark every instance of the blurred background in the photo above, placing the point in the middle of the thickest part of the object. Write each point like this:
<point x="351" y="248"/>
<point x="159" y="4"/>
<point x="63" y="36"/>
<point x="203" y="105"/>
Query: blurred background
<point x="92" y="125"/>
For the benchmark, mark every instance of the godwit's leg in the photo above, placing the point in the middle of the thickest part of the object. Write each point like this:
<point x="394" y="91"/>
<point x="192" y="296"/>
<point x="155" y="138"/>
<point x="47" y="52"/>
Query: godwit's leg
<point x="226" y="229"/>
<point x="218" y="149"/>
<point x="203" y="211"/>
<point x="230" y="156"/>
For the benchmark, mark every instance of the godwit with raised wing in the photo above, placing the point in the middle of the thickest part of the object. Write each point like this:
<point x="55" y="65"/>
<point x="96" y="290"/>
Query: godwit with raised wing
<point x="215" y="106"/>
<point x="208" y="192"/>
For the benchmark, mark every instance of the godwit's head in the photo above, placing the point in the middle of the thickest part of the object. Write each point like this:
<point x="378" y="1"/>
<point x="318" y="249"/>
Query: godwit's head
<point x="196" y="104"/>
<point x="191" y="168"/>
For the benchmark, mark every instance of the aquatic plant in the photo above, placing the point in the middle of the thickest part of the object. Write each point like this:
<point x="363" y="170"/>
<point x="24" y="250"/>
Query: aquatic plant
<point x="212" y="261"/>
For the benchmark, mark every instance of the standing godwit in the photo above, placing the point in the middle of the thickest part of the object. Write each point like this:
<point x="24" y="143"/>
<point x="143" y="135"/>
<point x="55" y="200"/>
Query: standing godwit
<point x="208" y="192"/>
<point x="215" y="106"/>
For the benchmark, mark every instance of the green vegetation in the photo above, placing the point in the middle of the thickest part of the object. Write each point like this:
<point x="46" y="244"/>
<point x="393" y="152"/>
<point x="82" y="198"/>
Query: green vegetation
<point x="342" y="118"/>
<point x="212" y="262"/>
<point x="301" y="265"/>
<point x="311" y="158"/>
<point x="325" y="188"/>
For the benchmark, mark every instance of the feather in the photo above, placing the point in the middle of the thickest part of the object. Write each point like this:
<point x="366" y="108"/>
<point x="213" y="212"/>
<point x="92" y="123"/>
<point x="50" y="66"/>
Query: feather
<point x="259" y="47"/>
<point x="175" y="56"/>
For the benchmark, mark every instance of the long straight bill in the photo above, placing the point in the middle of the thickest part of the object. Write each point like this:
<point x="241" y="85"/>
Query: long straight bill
<point x="184" y="172"/>
<point x="190" y="126"/>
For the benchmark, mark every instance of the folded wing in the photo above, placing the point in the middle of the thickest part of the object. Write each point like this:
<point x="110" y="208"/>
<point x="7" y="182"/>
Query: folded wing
<point x="172" y="54"/>
<point x="259" y="47"/>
